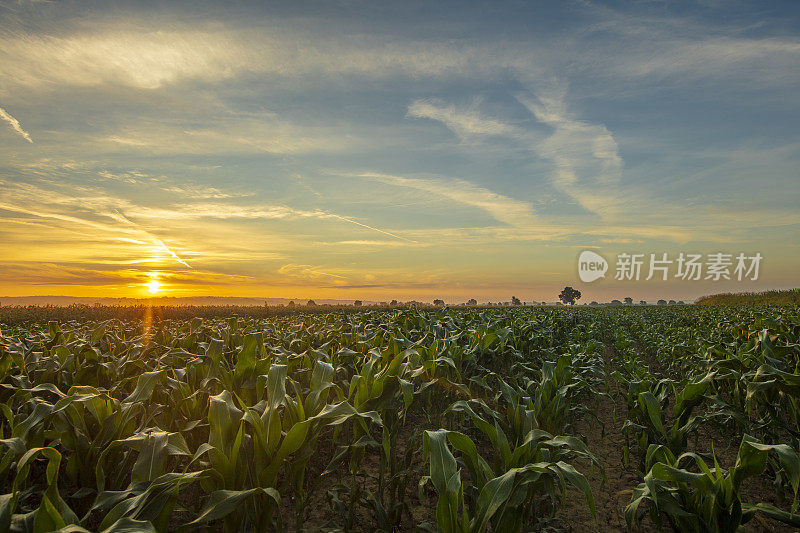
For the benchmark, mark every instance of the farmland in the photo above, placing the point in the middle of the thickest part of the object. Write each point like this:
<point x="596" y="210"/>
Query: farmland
<point x="453" y="420"/>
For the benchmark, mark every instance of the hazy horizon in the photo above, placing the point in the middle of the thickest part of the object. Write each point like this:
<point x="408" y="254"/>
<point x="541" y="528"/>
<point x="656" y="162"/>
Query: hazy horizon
<point x="251" y="301"/>
<point x="300" y="301"/>
<point x="394" y="151"/>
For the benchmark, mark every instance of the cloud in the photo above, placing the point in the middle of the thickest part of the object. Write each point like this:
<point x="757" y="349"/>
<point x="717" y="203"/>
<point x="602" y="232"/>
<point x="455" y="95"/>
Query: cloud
<point x="307" y="272"/>
<point x="131" y="177"/>
<point x="463" y="121"/>
<point x="197" y="210"/>
<point x="197" y="192"/>
<point x="26" y="198"/>
<point x="158" y="242"/>
<point x="15" y="125"/>
<point x="134" y="228"/>
<point x="588" y="168"/>
<point x="227" y="135"/>
<point x="187" y="211"/>
<point x="585" y="156"/>
<point x="142" y="59"/>
<point x="716" y="56"/>
<point x="564" y="233"/>
<point x="136" y="51"/>
<point x="620" y="45"/>
<point x="105" y="229"/>
<point x="123" y="54"/>
<point x="108" y="275"/>
<point x="502" y="208"/>
<point x="369" y="243"/>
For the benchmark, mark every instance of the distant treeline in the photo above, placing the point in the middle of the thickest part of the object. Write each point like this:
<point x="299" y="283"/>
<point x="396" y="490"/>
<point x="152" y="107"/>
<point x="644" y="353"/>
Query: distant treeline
<point x="784" y="297"/>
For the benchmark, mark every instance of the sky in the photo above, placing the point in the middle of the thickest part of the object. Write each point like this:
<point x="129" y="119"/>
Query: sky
<point x="394" y="150"/>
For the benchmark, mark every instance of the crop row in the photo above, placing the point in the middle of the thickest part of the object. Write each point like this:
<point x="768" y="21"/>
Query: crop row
<point x="444" y="420"/>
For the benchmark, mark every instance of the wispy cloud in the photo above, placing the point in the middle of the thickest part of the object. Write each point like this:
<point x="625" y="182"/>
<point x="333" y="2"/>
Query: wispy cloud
<point x="15" y="125"/>
<point x="308" y="272"/>
<point x="157" y="241"/>
<point x="133" y="58"/>
<point x="150" y="228"/>
<point x="198" y="210"/>
<point x="107" y="275"/>
<point x="138" y="53"/>
<point x="502" y="208"/>
<point x="370" y="243"/>
<point x="585" y="156"/>
<point x="131" y="177"/>
<point x="133" y="229"/>
<point x="257" y="212"/>
<point x="670" y="48"/>
<point x="123" y="54"/>
<point x="227" y="135"/>
<point x="463" y="121"/>
<point x="203" y="193"/>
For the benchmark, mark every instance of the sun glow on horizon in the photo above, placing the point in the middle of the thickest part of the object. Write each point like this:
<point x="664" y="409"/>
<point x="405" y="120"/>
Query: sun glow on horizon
<point x="153" y="286"/>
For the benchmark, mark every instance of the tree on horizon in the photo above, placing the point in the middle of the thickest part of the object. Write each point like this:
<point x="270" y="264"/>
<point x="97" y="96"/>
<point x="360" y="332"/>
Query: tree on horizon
<point x="569" y="295"/>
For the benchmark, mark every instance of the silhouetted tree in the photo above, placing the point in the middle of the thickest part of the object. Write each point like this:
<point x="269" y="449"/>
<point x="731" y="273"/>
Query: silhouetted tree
<point x="311" y="303"/>
<point x="472" y="301"/>
<point x="515" y="301"/>
<point x="642" y="302"/>
<point x="628" y="300"/>
<point x="662" y="302"/>
<point x="569" y="295"/>
<point x="438" y="302"/>
<point x="393" y="302"/>
<point x="358" y="303"/>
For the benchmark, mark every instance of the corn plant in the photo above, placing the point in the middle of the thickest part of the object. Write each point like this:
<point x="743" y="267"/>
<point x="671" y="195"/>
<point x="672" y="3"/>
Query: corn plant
<point x="504" y="501"/>
<point x="708" y="499"/>
<point x="647" y="421"/>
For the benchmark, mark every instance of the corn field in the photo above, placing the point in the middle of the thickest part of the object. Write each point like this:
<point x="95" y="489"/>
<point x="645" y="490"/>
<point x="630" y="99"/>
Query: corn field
<point x="451" y="420"/>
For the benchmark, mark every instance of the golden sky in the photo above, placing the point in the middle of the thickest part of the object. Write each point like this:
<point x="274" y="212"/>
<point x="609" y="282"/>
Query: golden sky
<point x="391" y="153"/>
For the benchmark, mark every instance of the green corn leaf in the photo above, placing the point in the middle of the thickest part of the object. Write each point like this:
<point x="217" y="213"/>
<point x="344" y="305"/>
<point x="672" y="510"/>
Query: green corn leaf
<point x="493" y="495"/>
<point x="772" y="512"/>
<point x="224" y="502"/>
<point x="442" y="463"/>
<point x="653" y="410"/>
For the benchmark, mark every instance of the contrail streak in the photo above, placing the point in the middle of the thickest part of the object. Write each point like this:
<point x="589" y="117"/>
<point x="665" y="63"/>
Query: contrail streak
<point x="158" y="242"/>
<point x="370" y="227"/>
<point x="133" y="230"/>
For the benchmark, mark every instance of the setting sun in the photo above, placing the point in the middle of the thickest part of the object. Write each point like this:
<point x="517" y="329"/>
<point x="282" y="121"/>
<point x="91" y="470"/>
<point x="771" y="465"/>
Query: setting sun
<point x="153" y="286"/>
